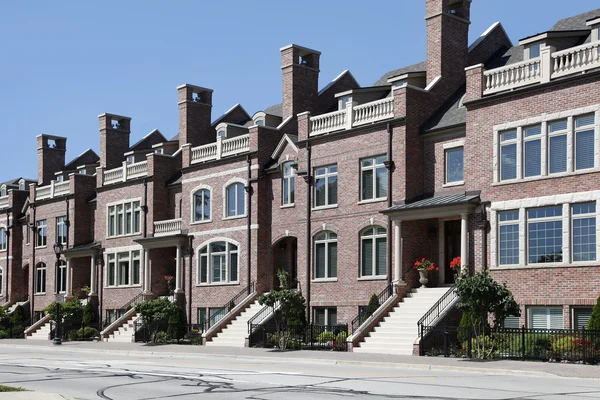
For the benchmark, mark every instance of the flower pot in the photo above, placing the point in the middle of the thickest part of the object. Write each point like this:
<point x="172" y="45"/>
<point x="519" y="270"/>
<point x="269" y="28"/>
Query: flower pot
<point x="423" y="277"/>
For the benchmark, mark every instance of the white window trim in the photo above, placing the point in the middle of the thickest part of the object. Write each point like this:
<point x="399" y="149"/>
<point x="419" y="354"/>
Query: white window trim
<point x="529" y="319"/>
<point x="61" y="265"/>
<point x="572" y="219"/>
<point x="325" y="176"/>
<point x="37" y="227"/>
<point x="496" y="245"/>
<point x="327" y="278"/>
<point x="64" y="224"/>
<point x="198" y="263"/>
<point x="544" y="119"/>
<point x="225" y="186"/>
<point x="115" y="252"/>
<point x="450" y="146"/>
<point x="193" y="205"/>
<point x="3" y="236"/>
<point x="36" y="268"/>
<point x="566" y="200"/>
<point x="372" y="238"/>
<point x="290" y="178"/>
<point x="373" y="168"/>
<point x="123" y="203"/>
<point x="326" y="310"/>
<point x="2" y="278"/>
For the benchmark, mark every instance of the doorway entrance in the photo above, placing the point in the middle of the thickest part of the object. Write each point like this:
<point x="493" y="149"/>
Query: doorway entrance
<point x="452" y="247"/>
<point x="285" y="255"/>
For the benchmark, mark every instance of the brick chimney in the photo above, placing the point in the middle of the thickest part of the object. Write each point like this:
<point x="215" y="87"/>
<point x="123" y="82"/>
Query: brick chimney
<point x="195" y="105"/>
<point x="51" y="157"/>
<point x="300" y="72"/>
<point x="447" y="37"/>
<point x="114" y="139"/>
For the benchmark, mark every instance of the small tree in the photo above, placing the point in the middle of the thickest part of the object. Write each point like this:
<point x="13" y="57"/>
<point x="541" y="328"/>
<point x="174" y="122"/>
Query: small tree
<point x="155" y="312"/>
<point x="89" y="316"/>
<point x="594" y="323"/>
<point x="480" y="296"/>
<point x="371" y="308"/>
<point x="292" y="307"/>
<point x="3" y="314"/>
<point x="18" y="315"/>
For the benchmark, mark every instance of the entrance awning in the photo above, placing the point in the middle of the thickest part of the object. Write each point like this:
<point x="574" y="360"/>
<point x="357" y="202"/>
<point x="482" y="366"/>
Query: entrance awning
<point x="163" y="241"/>
<point x="83" y="250"/>
<point x="435" y="207"/>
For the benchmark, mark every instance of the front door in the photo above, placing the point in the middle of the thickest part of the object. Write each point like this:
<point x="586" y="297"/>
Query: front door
<point x="452" y="246"/>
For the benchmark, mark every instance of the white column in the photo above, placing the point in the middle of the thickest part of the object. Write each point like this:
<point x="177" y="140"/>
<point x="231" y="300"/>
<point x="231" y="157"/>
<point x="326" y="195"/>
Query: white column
<point x="146" y="272"/>
<point x="178" y="270"/>
<point x="397" y="252"/>
<point x="93" y="276"/>
<point x="69" y="283"/>
<point x="464" y="248"/>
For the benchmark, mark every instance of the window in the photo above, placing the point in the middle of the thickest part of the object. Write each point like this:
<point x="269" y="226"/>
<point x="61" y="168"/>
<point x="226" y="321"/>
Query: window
<point x="511" y="322"/>
<point x="202" y="318"/>
<point x="325" y="255"/>
<point x="21" y="185"/>
<point x="160" y="150"/>
<point x="218" y="263"/>
<point x="288" y="184"/>
<point x="60" y="178"/>
<point x="584" y="142"/>
<point x="27" y="231"/>
<point x="124" y="219"/>
<point x="325" y="316"/>
<point x="215" y="314"/>
<point x="260" y="122"/>
<point x="373" y="252"/>
<point x="40" y="278"/>
<point x="373" y="178"/>
<point x="545" y="318"/>
<point x="1" y="281"/>
<point x="326" y="186"/>
<point x="82" y="171"/>
<point x="202" y="205"/>
<point x="42" y="231"/>
<point x="557" y="138"/>
<point x="532" y="153"/>
<point x="61" y="277"/>
<point x="544" y="229"/>
<point x="534" y="50"/>
<point x="584" y="231"/>
<point x="455" y="165"/>
<point x="3" y="191"/>
<point x="235" y="200"/>
<point x="3" y="238"/>
<point x="61" y="230"/>
<point x="222" y="134"/>
<point x="130" y="159"/>
<point x="508" y="155"/>
<point x="124" y="269"/>
<point x="508" y="232"/>
<point x="581" y="317"/>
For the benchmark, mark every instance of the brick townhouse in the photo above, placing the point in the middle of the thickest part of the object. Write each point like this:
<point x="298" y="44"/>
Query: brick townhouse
<point x="487" y="151"/>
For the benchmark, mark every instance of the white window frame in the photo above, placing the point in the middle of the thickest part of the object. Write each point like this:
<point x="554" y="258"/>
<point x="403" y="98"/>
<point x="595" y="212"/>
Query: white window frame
<point x="61" y="225"/>
<point x="3" y="239"/>
<point x="373" y="167"/>
<point x="229" y="251"/>
<point x="548" y="316"/>
<point x="509" y="142"/>
<point x="327" y="242"/>
<point x="60" y="277"/>
<point x="113" y="266"/>
<point x="230" y="182"/>
<point x="290" y="178"/>
<point x="533" y="138"/>
<point x="1" y="281"/>
<point x="327" y="315"/>
<point x="41" y="225"/>
<point x="41" y="270"/>
<point x="373" y="239"/>
<point x="193" y="203"/>
<point x="327" y="175"/>
<point x="3" y="191"/>
<point x="506" y="223"/>
<point x="117" y="214"/>
<point x="561" y="132"/>
<point x="572" y="230"/>
<point x="22" y="184"/>
<point x="584" y="128"/>
<point x="541" y="220"/>
<point x="448" y="147"/>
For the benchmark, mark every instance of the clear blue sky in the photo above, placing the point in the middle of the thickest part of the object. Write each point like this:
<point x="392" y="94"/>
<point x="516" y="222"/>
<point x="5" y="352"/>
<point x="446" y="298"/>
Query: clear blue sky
<point x="65" y="62"/>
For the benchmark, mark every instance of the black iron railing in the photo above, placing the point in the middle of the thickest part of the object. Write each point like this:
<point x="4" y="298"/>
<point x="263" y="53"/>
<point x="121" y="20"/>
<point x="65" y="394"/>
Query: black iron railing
<point x="12" y="329"/>
<point x="364" y="313"/>
<point x="300" y="337"/>
<point x="76" y="331"/>
<point x="260" y="317"/>
<point x="557" y="345"/>
<point x="169" y="333"/>
<point x="230" y="305"/>
<point x="124" y="308"/>
<point x="438" y="308"/>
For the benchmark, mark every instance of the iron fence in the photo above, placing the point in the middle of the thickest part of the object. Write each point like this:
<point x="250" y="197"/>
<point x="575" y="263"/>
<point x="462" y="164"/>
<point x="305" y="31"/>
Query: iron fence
<point x="558" y="345"/>
<point x="364" y="312"/>
<point x="300" y="337"/>
<point x="219" y="314"/>
<point x="11" y="329"/>
<point x="76" y="331"/>
<point x="169" y="333"/>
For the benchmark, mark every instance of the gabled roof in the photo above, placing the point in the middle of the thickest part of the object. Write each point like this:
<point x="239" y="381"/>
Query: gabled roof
<point x="241" y="119"/>
<point x="576" y="22"/>
<point x="87" y="157"/>
<point x="418" y="67"/>
<point x="148" y="141"/>
<point x="275" y="110"/>
<point x="286" y="140"/>
<point x="337" y="78"/>
<point x="451" y="114"/>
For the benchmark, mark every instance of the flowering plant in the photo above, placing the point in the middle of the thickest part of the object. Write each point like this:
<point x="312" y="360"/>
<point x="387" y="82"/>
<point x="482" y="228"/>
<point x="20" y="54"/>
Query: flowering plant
<point x="455" y="263"/>
<point x="425" y="265"/>
<point x="169" y="278"/>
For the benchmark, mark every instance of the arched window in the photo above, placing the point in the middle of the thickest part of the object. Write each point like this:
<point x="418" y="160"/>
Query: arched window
<point x="3" y="239"/>
<point x="202" y="205"/>
<point x="373" y="252"/>
<point x="218" y="263"/>
<point x="22" y="184"/>
<point x="288" y="184"/>
<point x="235" y="200"/>
<point x="61" y="277"/>
<point x="40" y="278"/>
<point x="325" y="255"/>
<point x="3" y="190"/>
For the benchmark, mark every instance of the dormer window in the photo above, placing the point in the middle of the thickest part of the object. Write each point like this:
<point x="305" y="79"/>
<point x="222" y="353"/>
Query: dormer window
<point x="3" y="190"/>
<point x="260" y="122"/>
<point x="160" y="151"/>
<point x="533" y="51"/>
<point x="130" y="159"/>
<point x="21" y="184"/>
<point x="59" y="178"/>
<point x="221" y="134"/>
<point x="82" y="171"/>
<point x="344" y="101"/>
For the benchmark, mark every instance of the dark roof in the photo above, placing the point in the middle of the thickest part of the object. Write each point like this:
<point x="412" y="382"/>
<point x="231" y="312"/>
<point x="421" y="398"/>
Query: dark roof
<point x="15" y="182"/>
<point x="175" y="179"/>
<point x="175" y="138"/>
<point x="149" y="140"/>
<point x="450" y="114"/>
<point x="275" y="110"/>
<point x="510" y="56"/>
<point x="437" y="201"/>
<point x="86" y="246"/>
<point x="87" y="157"/>
<point x="418" y="67"/>
<point x="576" y="22"/>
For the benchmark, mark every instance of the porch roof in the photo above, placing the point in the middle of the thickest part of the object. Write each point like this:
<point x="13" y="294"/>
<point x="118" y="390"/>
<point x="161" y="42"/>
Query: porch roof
<point x="436" y="206"/>
<point x="83" y="250"/>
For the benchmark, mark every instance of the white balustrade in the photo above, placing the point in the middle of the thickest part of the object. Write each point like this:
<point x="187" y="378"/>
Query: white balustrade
<point x="235" y="145"/>
<point x="222" y="148"/>
<point x="373" y="111"/>
<point x="333" y="121"/>
<point x="168" y="227"/>
<point x="203" y="153"/>
<point x="52" y="190"/>
<point x="43" y="192"/>
<point x="575" y="59"/>
<point x="113" y="175"/>
<point x="126" y="172"/>
<point x="513" y="76"/>
<point x="61" y="188"/>
<point x="137" y="169"/>
<point x="4" y="201"/>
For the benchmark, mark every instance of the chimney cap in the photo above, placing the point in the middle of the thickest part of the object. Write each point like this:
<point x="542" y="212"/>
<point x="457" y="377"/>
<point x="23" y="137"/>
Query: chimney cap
<point x="303" y="50"/>
<point x="198" y="89"/>
<point x="51" y="137"/>
<point x="114" y="116"/>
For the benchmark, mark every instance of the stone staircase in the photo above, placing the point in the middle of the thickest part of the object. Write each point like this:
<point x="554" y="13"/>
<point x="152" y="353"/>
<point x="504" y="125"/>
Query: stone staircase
<point x="41" y="333"/>
<point x="234" y="334"/>
<point x="125" y="333"/>
<point x="397" y="332"/>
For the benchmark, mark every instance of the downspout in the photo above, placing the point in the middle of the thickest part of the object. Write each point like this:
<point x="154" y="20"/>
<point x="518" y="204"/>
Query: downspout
<point x="308" y="180"/>
<point x="249" y="191"/>
<point x="189" y="298"/>
<point x="484" y="247"/>
<point x="32" y="270"/>
<point x="145" y="208"/>
<point x="389" y="164"/>
<point x="7" y="251"/>
<point x="68" y="222"/>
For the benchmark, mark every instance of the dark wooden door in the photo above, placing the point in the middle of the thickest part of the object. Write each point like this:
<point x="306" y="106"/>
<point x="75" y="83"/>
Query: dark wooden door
<point x="452" y="246"/>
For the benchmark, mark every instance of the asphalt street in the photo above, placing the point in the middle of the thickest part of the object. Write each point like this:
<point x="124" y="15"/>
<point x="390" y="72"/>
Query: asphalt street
<point x="137" y="376"/>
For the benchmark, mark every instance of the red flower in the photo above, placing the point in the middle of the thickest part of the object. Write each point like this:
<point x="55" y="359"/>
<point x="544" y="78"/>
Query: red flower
<point x="455" y="263"/>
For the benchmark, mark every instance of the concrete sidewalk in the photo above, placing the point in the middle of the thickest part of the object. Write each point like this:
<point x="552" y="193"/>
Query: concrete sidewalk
<point x="503" y="367"/>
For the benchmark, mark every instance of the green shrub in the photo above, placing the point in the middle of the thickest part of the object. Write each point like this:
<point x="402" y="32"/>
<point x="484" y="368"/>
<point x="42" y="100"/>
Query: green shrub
<point x="341" y="337"/>
<point x="563" y="345"/>
<point x="176" y="329"/>
<point x="194" y="336"/>
<point x="481" y="341"/>
<point x="326" y="336"/>
<point x="89" y="315"/>
<point x="18" y="316"/>
<point x="372" y="307"/>
<point x="5" y="334"/>
<point x="83" y="333"/>
<point x="466" y="323"/>
<point x="536" y="345"/>
<point x="594" y="324"/>
<point x="161" y="337"/>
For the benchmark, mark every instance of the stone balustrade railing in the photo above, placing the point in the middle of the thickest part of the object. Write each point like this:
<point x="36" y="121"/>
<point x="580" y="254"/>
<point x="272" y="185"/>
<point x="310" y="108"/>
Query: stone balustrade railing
<point x="54" y="189"/>
<point x="352" y="116"/>
<point x="4" y="201"/>
<point x="126" y="172"/>
<point x="549" y="65"/>
<point x="168" y="227"/>
<point x="61" y="188"/>
<point x="222" y="148"/>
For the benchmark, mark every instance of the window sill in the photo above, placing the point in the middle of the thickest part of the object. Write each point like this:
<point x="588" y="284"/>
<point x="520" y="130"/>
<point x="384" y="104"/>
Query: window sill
<point x="217" y="284"/>
<point x="201" y="222"/>
<point x="327" y="207"/>
<point x="234" y="217"/>
<point x="372" y="278"/>
<point x="40" y="294"/>
<point x="369" y="201"/>
<point x="123" y="286"/>
<point x="288" y="205"/>
<point x="549" y="176"/>
<point x="124" y="236"/>
<point x="323" y="280"/>
<point x="452" y="184"/>
<point x="3" y="251"/>
<point x="585" y="264"/>
<point x="40" y="247"/>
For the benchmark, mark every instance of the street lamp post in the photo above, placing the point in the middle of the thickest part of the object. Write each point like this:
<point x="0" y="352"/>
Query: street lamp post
<point x="59" y="298"/>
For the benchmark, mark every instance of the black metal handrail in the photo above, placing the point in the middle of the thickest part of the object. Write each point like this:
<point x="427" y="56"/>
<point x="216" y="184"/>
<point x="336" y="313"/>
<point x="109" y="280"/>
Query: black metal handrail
<point x="230" y="305"/>
<point x="382" y="298"/>
<point x="438" y="308"/>
<point x="260" y="317"/>
<point x="130" y="304"/>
